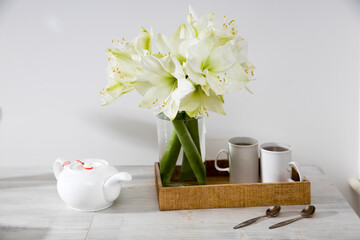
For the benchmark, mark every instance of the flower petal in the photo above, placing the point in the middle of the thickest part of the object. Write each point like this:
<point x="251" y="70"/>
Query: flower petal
<point x="192" y="18"/>
<point x="155" y="97"/>
<point x="195" y="76"/>
<point x="123" y="61"/>
<point x="216" y="83"/>
<point x="199" y="52"/>
<point x="221" y="58"/>
<point x="154" y="72"/>
<point x="178" y="72"/>
<point x="193" y="103"/>
<point x="183" y="32"/>
<point x="184" y="87"/>
<point x="168" y="64"/>
<point x="142" y="87"/>
<point x="180" y="42"/>
<point x="143" y="42"/>
<point x="241" y="50"/>
<point x="236" y="78"/>
<point x="114" y="90"/>
<point x="171" y="109"/>
<point x="162" y="43"/>
<point x="249" y="69"/>
<point x="214" y="103"/>
<point x="172" y="66"/>
<point x="202" y="25"/>
<point x="196" y="102"/>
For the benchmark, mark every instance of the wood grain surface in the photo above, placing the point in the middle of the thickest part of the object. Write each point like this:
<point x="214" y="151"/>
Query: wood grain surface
<point x="30" y="208"/>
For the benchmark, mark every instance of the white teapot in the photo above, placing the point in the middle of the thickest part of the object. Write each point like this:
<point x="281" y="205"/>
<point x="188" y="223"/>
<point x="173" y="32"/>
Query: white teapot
<point x="88" y="185"/>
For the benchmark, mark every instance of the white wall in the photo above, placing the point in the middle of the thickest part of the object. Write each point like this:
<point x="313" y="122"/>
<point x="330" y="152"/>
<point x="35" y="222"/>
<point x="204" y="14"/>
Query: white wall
<point x="52" y="67"/>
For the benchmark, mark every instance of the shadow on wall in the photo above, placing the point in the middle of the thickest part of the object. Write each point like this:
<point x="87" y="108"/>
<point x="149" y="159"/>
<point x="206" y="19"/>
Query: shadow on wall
<point x="125" y="128"/>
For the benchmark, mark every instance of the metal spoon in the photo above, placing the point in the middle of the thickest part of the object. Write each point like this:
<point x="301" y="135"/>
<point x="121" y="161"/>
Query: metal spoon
<point x="307" y="212"/>
<point x="270" y="212"/>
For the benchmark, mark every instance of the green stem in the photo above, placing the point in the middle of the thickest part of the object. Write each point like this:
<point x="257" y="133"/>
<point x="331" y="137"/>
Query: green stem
<point x="169" y="158"/>
<point x="190" y="150"/>
<point x="186" y="170"/>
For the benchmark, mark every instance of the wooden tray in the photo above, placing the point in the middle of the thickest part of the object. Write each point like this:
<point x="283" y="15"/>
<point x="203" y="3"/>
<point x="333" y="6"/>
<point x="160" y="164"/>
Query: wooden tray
<point x="219" y="193"/>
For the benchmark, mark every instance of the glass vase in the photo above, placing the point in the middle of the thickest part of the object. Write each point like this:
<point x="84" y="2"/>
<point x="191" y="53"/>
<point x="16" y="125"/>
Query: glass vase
<point x="171" y="149"/>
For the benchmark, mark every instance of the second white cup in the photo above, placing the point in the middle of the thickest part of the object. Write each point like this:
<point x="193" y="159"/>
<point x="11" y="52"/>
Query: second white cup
<point x="276" y="163"/>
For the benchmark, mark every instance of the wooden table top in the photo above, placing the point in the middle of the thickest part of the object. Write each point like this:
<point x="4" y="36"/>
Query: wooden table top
<point x="30" y="208"/>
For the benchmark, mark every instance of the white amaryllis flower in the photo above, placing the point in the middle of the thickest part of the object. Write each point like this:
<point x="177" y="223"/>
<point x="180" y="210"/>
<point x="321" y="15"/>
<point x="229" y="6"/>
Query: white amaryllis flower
<point x="205" y="25"/>
<point x="215" y="67"/>
<point x="178" y="44"/>
<point x="168" y="84"/>
<point x="195" y="67"/>
<point x="202" y="26"/>
<point x="197" y="102"/>
<point x="124" y="60"/>
<point x="241" y="47"/>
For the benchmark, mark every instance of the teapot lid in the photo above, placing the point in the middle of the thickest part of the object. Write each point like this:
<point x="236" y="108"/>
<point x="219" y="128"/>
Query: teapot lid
<point x="88" y="165"/>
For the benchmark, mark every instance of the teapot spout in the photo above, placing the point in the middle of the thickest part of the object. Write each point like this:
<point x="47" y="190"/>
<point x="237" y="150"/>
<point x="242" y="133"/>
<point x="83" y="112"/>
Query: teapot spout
<point x="117" y="179"/>
<point x="112" y="186"/>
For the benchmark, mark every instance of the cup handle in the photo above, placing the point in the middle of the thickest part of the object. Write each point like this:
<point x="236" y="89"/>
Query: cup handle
<point x="296" y="166"/>
<point x="217" y="156"/>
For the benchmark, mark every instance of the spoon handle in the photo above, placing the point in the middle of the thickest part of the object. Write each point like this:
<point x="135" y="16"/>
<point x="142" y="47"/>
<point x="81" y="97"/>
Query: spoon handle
<point x="280" y="224"/>
<point x="248" y="222"/>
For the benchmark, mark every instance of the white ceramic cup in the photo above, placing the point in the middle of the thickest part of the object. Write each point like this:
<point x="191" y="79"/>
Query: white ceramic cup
<point x="276" y="164"/>
<point x="243" y="160"/>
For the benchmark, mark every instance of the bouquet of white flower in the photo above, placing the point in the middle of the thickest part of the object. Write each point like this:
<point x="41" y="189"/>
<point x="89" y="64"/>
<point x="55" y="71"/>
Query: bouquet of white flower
<point x="187" y="77"/>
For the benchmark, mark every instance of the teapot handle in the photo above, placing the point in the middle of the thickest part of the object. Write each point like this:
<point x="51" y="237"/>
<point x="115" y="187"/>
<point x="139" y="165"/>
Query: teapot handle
<point x="58" y="166"/>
